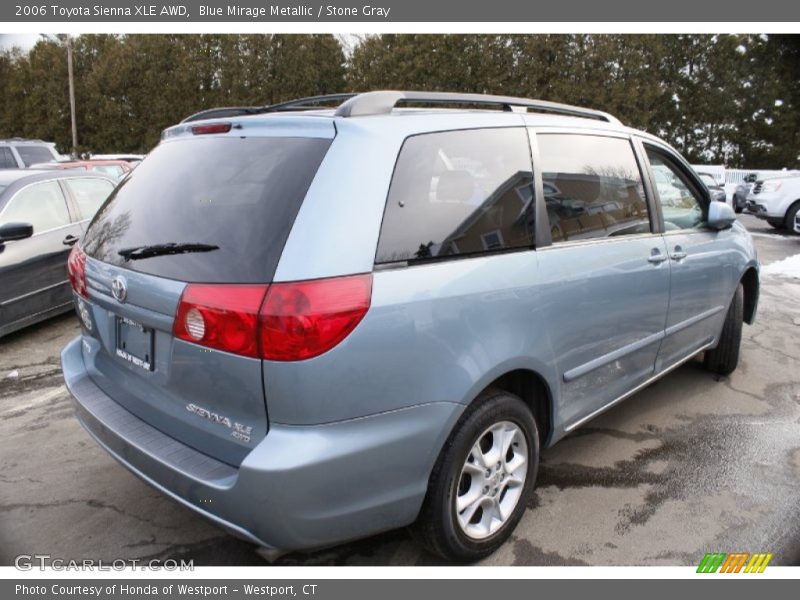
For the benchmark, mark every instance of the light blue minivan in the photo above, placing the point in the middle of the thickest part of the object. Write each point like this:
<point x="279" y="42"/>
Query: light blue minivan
<point x="315" y="321"/>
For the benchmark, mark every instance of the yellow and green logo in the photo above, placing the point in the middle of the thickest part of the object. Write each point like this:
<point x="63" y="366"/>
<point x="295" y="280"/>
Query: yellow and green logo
<point x="744" y="562"/>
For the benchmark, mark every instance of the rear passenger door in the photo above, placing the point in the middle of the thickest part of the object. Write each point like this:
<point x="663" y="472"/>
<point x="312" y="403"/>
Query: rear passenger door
<point x="34" y="270"/>
<point x="700" y="266"/>
<point x="605" y="277"/>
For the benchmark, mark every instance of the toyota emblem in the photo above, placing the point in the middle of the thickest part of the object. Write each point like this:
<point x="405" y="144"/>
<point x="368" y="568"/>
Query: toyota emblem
<point x="119" y="288"/>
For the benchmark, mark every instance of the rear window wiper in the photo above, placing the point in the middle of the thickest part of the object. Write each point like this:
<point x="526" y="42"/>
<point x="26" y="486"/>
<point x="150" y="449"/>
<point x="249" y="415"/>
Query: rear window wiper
<point x="163" y="250"/>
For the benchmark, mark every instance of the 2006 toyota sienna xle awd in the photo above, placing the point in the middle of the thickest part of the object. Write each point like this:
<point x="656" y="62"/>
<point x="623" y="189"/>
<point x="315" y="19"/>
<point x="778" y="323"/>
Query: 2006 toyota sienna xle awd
<point x="311" y="324"/>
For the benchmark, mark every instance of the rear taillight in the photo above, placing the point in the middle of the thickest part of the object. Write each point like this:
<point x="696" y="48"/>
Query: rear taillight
<point x="282" y="321"/>
<point x="224" y="317"/>
<point x="76" y="270"/>
<point x="304" y="319"/>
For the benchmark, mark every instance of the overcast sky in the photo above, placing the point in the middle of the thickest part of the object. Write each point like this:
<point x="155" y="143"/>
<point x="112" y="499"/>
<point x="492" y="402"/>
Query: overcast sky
<point x="22" y="40"/>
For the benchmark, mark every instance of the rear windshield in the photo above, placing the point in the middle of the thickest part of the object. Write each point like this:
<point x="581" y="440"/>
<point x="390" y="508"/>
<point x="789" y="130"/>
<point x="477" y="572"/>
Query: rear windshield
<point x="236" y="198"/>
<point x="34" y="154"/>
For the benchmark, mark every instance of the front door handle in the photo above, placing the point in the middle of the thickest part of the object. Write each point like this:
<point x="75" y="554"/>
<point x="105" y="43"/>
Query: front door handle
<point x="678" y="254"/>
<point x="70" y="240"/>
<point x="656" y="257"/>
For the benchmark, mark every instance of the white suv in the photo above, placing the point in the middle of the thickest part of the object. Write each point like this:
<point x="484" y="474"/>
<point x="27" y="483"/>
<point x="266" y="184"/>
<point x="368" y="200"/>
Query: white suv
<point x="777" y="200"/>
<point x="18" y="153"/>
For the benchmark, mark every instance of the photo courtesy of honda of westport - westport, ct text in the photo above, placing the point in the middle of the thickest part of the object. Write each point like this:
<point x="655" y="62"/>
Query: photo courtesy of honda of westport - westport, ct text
<point x="332" y="300"/>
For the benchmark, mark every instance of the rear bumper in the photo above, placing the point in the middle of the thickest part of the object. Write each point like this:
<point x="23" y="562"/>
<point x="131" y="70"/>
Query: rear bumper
<point x="302" y="487"/>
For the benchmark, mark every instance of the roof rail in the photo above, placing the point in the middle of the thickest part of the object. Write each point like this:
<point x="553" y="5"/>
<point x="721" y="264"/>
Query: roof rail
<point x="307" y="103"/>
<point x="381" y="103"/>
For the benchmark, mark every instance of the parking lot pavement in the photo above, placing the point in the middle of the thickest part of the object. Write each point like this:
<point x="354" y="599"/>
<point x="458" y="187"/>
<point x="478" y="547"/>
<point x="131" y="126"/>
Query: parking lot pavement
<point x="689" y="465"/>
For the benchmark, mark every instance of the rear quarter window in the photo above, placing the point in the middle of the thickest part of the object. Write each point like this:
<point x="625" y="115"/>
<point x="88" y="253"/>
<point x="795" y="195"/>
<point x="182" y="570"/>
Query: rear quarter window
<point x="89" y="194"/>
<point x="459" y="193"/>
<point x="34" y="154"/>
<point x="238" y="194"/>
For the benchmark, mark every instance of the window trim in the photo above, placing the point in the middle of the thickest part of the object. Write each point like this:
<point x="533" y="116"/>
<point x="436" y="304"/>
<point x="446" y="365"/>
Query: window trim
<point x="653" y="217"/>
<point x="403" y="264"/>
<point x="686" y="173"/>
<point x="13" y="197"/>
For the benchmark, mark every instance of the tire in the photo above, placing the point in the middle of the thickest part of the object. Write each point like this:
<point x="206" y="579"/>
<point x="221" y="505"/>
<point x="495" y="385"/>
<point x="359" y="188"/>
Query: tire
<point x="776" y="223"/>
<point x="790" y="215"/>
<point x="723" y="359"/>
<point x="439" y="527"/>
<point x="738" y="209"/>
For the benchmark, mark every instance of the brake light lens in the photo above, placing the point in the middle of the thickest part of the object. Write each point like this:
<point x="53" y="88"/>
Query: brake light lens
<point x="211" y="128"/>
<point x="301" y="320"/>
<point x="224" y="317"/>
<point x="76" y="270"/>
<point x="281" y="321"/>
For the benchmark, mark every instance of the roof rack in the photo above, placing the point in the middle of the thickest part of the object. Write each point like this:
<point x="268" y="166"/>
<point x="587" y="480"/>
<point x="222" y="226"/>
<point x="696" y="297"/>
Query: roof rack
<point x="307" y="103"/>
<point x="384" y="102"/>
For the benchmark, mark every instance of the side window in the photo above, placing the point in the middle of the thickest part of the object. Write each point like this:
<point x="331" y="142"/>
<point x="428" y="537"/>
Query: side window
<point x="681" y="205"/>
<point x="34" y="154"/>
<point x="459" y="193"/>
<point x="592" y="187"/>
<point x="89" y="194"/>
<point x="41" y="204"/>
<point x="7" y="160"/>
<point x="113" y="170"/>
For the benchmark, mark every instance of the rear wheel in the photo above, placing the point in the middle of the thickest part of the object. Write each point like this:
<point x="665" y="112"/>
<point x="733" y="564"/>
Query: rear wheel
<point x="480" y="484"/>
<point x="725" y="357"/>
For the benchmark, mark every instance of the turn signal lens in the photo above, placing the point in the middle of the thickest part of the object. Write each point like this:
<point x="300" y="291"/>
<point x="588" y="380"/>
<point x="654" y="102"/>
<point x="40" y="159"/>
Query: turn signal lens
<point x="76" y="270"/>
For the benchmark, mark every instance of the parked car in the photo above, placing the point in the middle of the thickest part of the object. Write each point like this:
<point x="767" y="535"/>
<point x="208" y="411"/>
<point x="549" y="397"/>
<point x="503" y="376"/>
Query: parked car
<point x="131" y="158"/>
<point x="18" y="153"/>
<point x="740" y="193"/>
<point x="42" y="214"/>
<point x="717" y="191"/>
<point x="114" y="168"/>
<point x="351" y="319"/>
<point x="776" y="200"/>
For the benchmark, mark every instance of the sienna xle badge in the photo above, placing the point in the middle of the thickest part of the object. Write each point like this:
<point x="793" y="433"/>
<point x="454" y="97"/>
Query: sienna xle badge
<point x="316" y="321"/>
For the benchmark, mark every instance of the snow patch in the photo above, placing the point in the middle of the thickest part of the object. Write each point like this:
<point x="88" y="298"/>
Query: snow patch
<point x="788" y="267"/>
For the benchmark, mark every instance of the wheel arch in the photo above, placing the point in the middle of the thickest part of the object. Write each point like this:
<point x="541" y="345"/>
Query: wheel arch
<point x="534" y="391"/>
<point x="750" y="283"/>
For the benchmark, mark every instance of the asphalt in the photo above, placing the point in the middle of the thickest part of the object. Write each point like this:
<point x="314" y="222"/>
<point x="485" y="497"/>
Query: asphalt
<point x="690" y="465"/>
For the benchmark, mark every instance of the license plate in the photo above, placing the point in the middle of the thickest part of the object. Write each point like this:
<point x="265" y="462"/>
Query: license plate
<point x="135" y="343"/>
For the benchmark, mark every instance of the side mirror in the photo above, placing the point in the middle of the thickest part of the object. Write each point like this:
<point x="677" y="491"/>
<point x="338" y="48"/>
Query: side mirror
<point x="720" y="215"/>
<point x="15" y="231"/>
